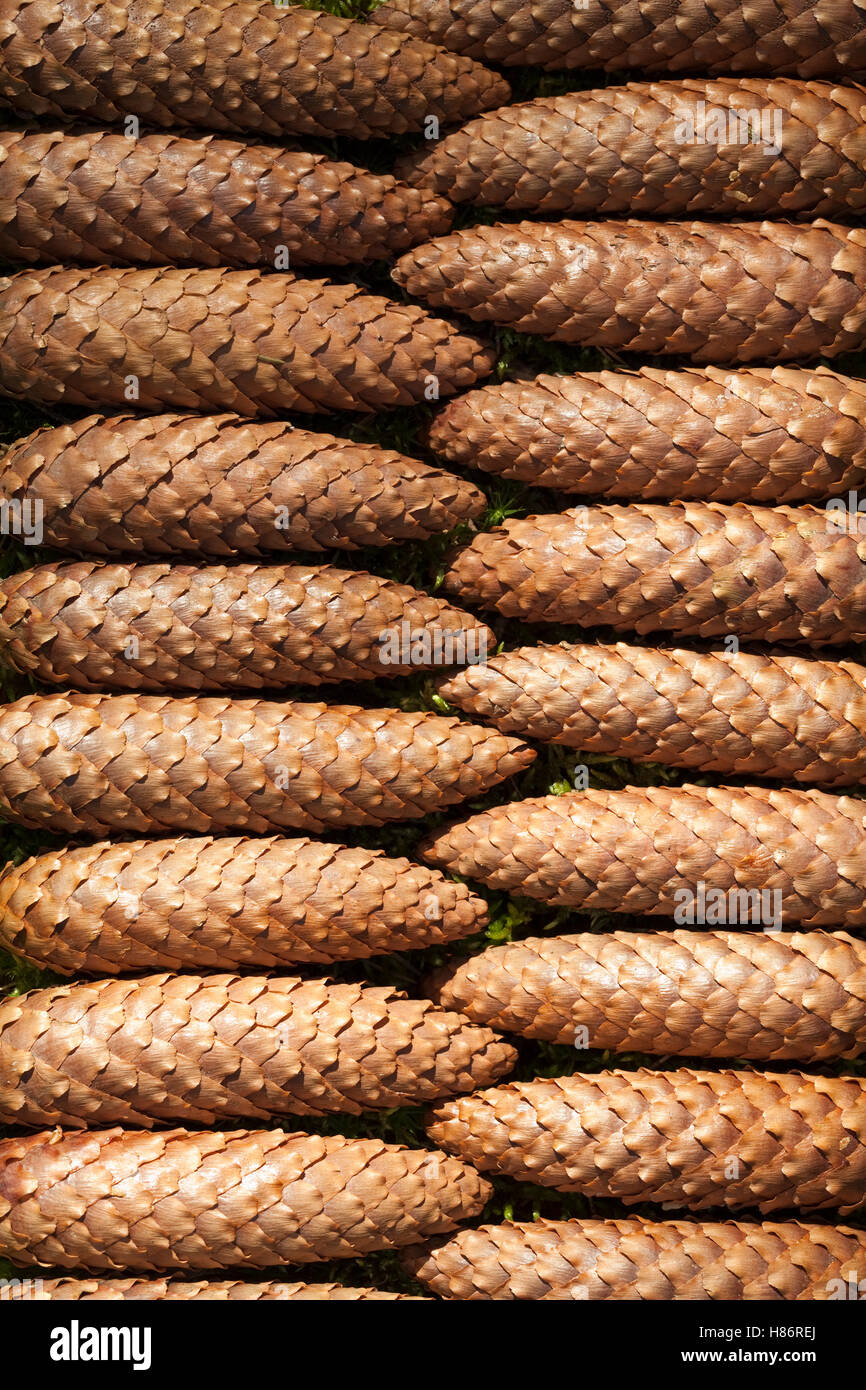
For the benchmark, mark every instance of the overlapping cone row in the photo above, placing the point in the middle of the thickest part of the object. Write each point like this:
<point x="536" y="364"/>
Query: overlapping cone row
<point x="221" y="487"/>
<point x="738" y="713"/>
<point x="764" y="996"/>
<point x="189" y="1291"/>
<point x="781" y="434"/>
<point x="224" y="904"/>
<point x="198" y="1049"/>
<point x="100" y="626"/>
<point x="216" y="340"/>
<point x="737" y="147"/>
<point x="700" y="569"/>
<point x="97" y="197"/>
<point x="756" y="856"/>
<point x="232" y="65"/>
<point x="694" y="1139"/>
<point x="119" y="1200"/>
<point x="735" y="292"/>
<point x="96" y="764"/>
<point x="822" y="39"/>
<point x="725" y="1261"/>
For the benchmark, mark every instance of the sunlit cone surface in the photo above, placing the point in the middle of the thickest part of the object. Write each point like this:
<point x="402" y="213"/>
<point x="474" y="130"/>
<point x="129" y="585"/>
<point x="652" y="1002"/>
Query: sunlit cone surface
<point x="190" y="1291"/>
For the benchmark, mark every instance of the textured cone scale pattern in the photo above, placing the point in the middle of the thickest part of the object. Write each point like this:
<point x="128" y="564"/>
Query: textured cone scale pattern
<point x="765" y="996"/>
<point x="783" y="574"/>
<point x="189" y="1291"/>
<point x="231" y="65"/>
<point x="100" y="198"/>
<point x="768" y="716"/>
<point x="91" y="764"/>
<point x="194" y="1049"/>
<point x="782" y="434"/>
<point x="218" y="486"/>
<point x="745" y="147"/>
<point x="811" y="39"/>
<point x="224" y="904"/>
<point x="695" y="1139"/>
<point x="215" y="340"/>
<point x="237" y="627"/>
<point x="728" y="1261"/>
<point x="721" y="293"/>
<point x="795" y="855"/>
<point x="117" y="1200"/>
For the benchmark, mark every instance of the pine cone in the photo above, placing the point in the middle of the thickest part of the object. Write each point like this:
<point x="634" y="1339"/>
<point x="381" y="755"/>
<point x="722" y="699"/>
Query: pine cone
<point x="232" y="65"/>
<point x="92" y="764"/>
<point x="728" y="1261"/>
<point x="219" y="486"/>
<point x="237" y="627"/>
<point x="189" y="1291"/>
<point x="783" y="574"/>
<point x="742" y="147"/>
<point x="193" y="1049"/>
<point x="774" y="854"/>
<point x="695" y="1139"/>
<point x="224" y="904"/>
<point x="719" y="292"/>
<point x="216" y="340"/>
<point x="119" y="1200"/>
<point x="99" y="198"/>
<point x="813" y="39"/>
<point x="765" y="997"/>
<point x="735" y="713"/>
<point x="779" y="434"/>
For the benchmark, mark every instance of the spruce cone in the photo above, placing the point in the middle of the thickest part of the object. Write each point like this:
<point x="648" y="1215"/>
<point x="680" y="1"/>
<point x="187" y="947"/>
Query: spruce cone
<point x="216" y="340"/>
<point x="735" y="713"/>
<point x="812" y="38"/>
<point x="770" y="435"/>
<point x="99" y="198"/>
<point x="747" y="147"/>
<point x="237" y="627"/>
<point x="224" y="904"/>
<point x="783" y="574"/>
<point x="766" y="997"/>
<point x="728" y="1261"/>
<point x="231" y="65"/>
<point x="95" y="764"/>
<point x="774" y="854"/>
<point x="193" y="1049"/>
<point x="189" y="1291"/>
<point x="695" y="1139"/>
<point x="119" y="1200"/>
<point x="218" y="486"/>
<point x="719" y="292"/>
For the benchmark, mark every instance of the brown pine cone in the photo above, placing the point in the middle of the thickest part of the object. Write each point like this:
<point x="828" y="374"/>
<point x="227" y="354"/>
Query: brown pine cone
<point x="719" y="292"/>
<point x="188" y="1291"/>
<point x="695" y="1139"/>
<point x="119" y="1200"/>
<point x="772" y="574"/>
<point x="231" y="65"/>
<point x="237" y="627"/>
<point x="781" y="434"/>
<point x="98" y="198"/>
<point x="224" y="904"/>
<point x="735" y="713"/>
<point x="741" y="147"/>
<point x="756" y="995"/>
<point x="219" y="486"/>
<point x="729" y="1261"/>
<point x="216" y="340"/>
<point x="775" y="855"/>
<point x="96" y="764"/>
<point x="812" y="38"/>
<point x="201" y="1049"/>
